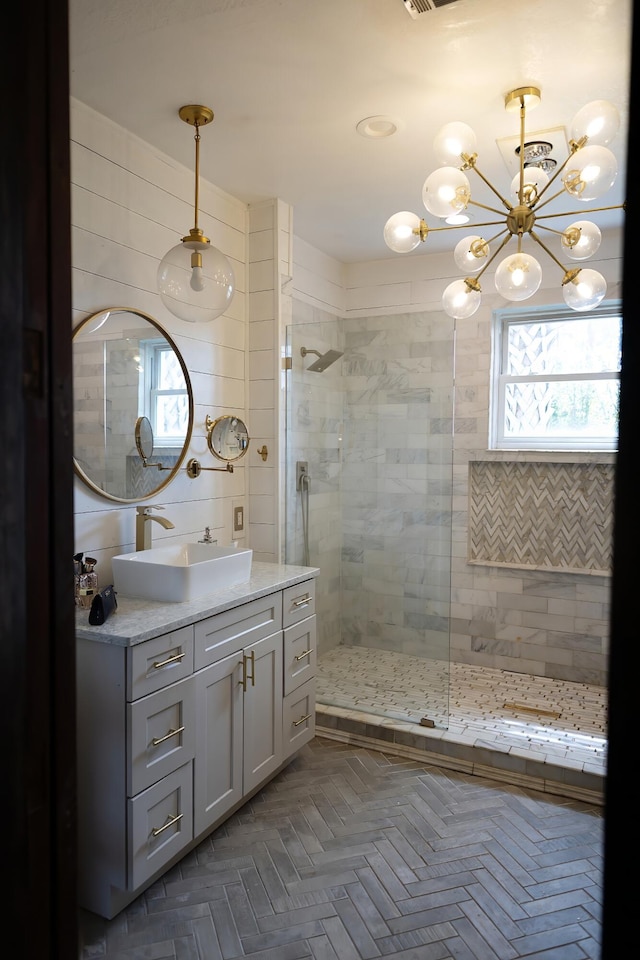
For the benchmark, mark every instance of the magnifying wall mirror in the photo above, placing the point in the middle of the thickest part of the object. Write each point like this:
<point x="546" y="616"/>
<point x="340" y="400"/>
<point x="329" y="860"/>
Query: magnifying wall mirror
<point x="227" y="438"/>
<point x="132" y="402"/>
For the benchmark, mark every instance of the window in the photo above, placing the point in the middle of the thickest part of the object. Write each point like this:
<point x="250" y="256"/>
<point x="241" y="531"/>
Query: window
<point x="163" y="393"/>
<point x="556" y="379"/>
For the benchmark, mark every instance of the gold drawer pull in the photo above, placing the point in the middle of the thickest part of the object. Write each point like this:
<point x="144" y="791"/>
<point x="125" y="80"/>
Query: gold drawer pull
<point x="305" y="653"/>
<point x="172" y="733"/>
<point x="297" y="723"/>
<point x="301" y="601"/>
<point x="170" y="822"/>
<point x="163" y="663"/>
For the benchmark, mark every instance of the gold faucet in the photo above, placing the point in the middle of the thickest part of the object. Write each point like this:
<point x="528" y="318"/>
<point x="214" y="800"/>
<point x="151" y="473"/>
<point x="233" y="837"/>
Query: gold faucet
<point x="143" y="527"/>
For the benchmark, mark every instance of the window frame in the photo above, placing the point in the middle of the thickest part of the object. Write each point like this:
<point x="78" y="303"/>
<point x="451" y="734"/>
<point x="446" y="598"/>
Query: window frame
<point x="150" y="350"/>
<point x="501" y="320"/>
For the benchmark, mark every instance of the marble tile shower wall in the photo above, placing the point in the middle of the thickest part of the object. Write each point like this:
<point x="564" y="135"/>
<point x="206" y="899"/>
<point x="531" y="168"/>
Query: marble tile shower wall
<point x="404" y="539"/>
<point x="396" y="485"/>
<point x="376" y="431"/>
<point x="541" y="622"/>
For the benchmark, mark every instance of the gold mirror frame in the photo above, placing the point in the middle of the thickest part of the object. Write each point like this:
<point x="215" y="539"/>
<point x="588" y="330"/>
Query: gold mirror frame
<point x="218" y="432"/>
<point x="140" y="322"/>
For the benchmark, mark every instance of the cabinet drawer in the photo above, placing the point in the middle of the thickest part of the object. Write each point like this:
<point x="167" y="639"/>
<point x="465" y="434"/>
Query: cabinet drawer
<point x="226" y="633"/>
<point x="299" y="718"/>
<point x="298" y="602"/>
<point x="158" y="662"/>
<point x="299" y="653"/>
<point x="160" y="824"/>
<point x="161" y="734"/>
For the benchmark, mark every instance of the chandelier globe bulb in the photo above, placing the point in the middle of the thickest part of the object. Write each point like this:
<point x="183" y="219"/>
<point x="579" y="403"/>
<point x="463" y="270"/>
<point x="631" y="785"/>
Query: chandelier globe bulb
<point x="598" y="121"/>
<point x="518" y="277"/>
<point x="585" y="291"/>
<point x="534" y="181"/>
<point x="460" y="301"/>
<point x="581" y="240"/>
<point x="471" y="253"/>
<point x="446" y="191"/>
<point x="402" y="232"/>
<point x="452" y="141"/>
<point x="591" y="172"/>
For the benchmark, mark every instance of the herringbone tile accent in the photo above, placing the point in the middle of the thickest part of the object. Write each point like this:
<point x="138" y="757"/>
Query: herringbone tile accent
<point x="351" y="854"/>
<point x="556" y="515"/>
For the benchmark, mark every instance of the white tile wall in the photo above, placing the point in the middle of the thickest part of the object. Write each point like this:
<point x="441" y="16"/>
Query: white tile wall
<point x="129" y="205"/>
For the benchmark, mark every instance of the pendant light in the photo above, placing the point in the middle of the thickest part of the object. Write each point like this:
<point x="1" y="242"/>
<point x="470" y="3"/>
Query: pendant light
<point x="195" y="280"/>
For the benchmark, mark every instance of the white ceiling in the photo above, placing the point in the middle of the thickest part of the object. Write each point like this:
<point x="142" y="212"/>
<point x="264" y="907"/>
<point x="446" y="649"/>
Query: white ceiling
<point x="288" y="81"/>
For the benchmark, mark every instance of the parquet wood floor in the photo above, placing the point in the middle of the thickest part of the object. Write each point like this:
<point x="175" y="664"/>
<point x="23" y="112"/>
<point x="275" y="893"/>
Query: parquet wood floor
<point x="353" y="854"/>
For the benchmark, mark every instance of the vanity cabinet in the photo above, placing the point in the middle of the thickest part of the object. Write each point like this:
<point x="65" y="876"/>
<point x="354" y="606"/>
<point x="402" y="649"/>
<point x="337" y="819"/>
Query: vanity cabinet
<point x="176" y="731"/>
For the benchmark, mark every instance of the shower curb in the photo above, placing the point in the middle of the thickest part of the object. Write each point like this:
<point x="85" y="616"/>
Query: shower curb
<point x="481" y="758"/>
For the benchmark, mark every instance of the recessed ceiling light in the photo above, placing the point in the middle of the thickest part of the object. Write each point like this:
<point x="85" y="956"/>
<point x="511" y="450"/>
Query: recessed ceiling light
<point x="457" y="219"/>
<point x="377" y="128"/>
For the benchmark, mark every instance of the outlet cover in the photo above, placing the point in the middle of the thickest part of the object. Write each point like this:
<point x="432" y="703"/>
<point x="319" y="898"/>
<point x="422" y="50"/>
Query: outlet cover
<point x="238" y="519"/>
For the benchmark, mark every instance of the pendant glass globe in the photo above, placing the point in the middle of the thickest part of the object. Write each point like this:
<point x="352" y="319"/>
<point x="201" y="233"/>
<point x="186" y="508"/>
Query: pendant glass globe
<point x="460" y="301"/>
<point x="581" y="240"/>
<point x="446" y="191"/>
<point x="591" y="172"/>
<point x="598" y="121"/>
<point x="534" y="181"/>
<point x="586" y="291"/>
<point x="471" y="253"/>
<point x="518" y="276"/>
<point x="195" y="281"/>
<point x="452" y="141"/>
<point x="399" y="232"/>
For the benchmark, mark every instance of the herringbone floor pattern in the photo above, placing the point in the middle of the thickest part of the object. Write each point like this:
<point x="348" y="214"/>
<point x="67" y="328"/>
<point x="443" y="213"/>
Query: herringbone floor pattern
<point x="351" y="854"/>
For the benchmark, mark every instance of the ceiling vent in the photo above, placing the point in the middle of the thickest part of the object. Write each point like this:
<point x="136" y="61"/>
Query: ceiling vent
<point x="417" y="7"/>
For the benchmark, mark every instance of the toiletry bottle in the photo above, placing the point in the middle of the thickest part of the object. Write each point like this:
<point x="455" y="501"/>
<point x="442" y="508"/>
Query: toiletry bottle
<point x="77" y="573"/>
<point x="88" y="582"/>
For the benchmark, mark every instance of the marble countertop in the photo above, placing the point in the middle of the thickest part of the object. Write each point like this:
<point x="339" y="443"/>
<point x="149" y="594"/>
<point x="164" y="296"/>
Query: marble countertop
<point x="137" y="620"/>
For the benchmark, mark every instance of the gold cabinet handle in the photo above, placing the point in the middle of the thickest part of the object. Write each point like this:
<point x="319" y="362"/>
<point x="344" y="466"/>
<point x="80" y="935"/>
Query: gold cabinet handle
<point x="245" y="675"/>
<point x="305" y="653"/>
<point x="172" y="733"/>
<point x="301" y="601"/>
<point x="297" y="723"/>
<point x="252" y="657"/>
<point x="163" y="663"/>
<point x="156" y="831"/>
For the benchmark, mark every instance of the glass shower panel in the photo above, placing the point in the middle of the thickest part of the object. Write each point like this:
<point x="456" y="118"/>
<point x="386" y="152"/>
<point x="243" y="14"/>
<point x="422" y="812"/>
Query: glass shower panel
<point x="376" y="431"/>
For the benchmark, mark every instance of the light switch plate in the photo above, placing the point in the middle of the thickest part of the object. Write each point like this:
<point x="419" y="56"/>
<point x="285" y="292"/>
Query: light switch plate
<point x="238" y="519"/>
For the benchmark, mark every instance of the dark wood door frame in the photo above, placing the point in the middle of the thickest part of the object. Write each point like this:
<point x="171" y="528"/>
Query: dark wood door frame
<point x="37" y="663"/>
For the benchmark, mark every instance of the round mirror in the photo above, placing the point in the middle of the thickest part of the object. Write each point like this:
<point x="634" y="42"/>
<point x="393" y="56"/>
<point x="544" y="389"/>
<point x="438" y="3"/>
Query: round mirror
<point x="227" y="438"/>
<point x="132" y="400"/>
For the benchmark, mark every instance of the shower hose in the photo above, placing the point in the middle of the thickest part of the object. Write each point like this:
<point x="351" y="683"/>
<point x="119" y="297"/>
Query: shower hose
<point x="304" y="502"/>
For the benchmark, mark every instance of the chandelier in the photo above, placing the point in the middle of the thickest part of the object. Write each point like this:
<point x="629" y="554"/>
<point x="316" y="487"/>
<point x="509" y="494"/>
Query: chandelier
<point x="588" y="172"/>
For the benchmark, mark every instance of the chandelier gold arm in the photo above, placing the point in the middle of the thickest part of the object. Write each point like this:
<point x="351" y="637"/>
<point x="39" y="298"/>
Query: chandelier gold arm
<point x="470" y="163"/>
<point x="491" y="259"/>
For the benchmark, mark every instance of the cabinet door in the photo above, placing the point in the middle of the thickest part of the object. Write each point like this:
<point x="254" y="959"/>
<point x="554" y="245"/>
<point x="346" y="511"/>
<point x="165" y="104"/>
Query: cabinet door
<point x="218" y="765"/>
<point x="262" y="710"/>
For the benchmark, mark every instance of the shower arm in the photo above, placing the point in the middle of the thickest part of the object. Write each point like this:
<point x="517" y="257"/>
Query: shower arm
<point x="304" y="351"/>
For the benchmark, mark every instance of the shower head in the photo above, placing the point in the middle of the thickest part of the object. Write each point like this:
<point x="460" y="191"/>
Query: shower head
<point x="325" y="359"/>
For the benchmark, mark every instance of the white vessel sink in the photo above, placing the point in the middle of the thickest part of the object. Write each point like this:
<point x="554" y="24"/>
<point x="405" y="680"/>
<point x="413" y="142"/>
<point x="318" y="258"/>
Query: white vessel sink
<point x="180" y="571"/>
